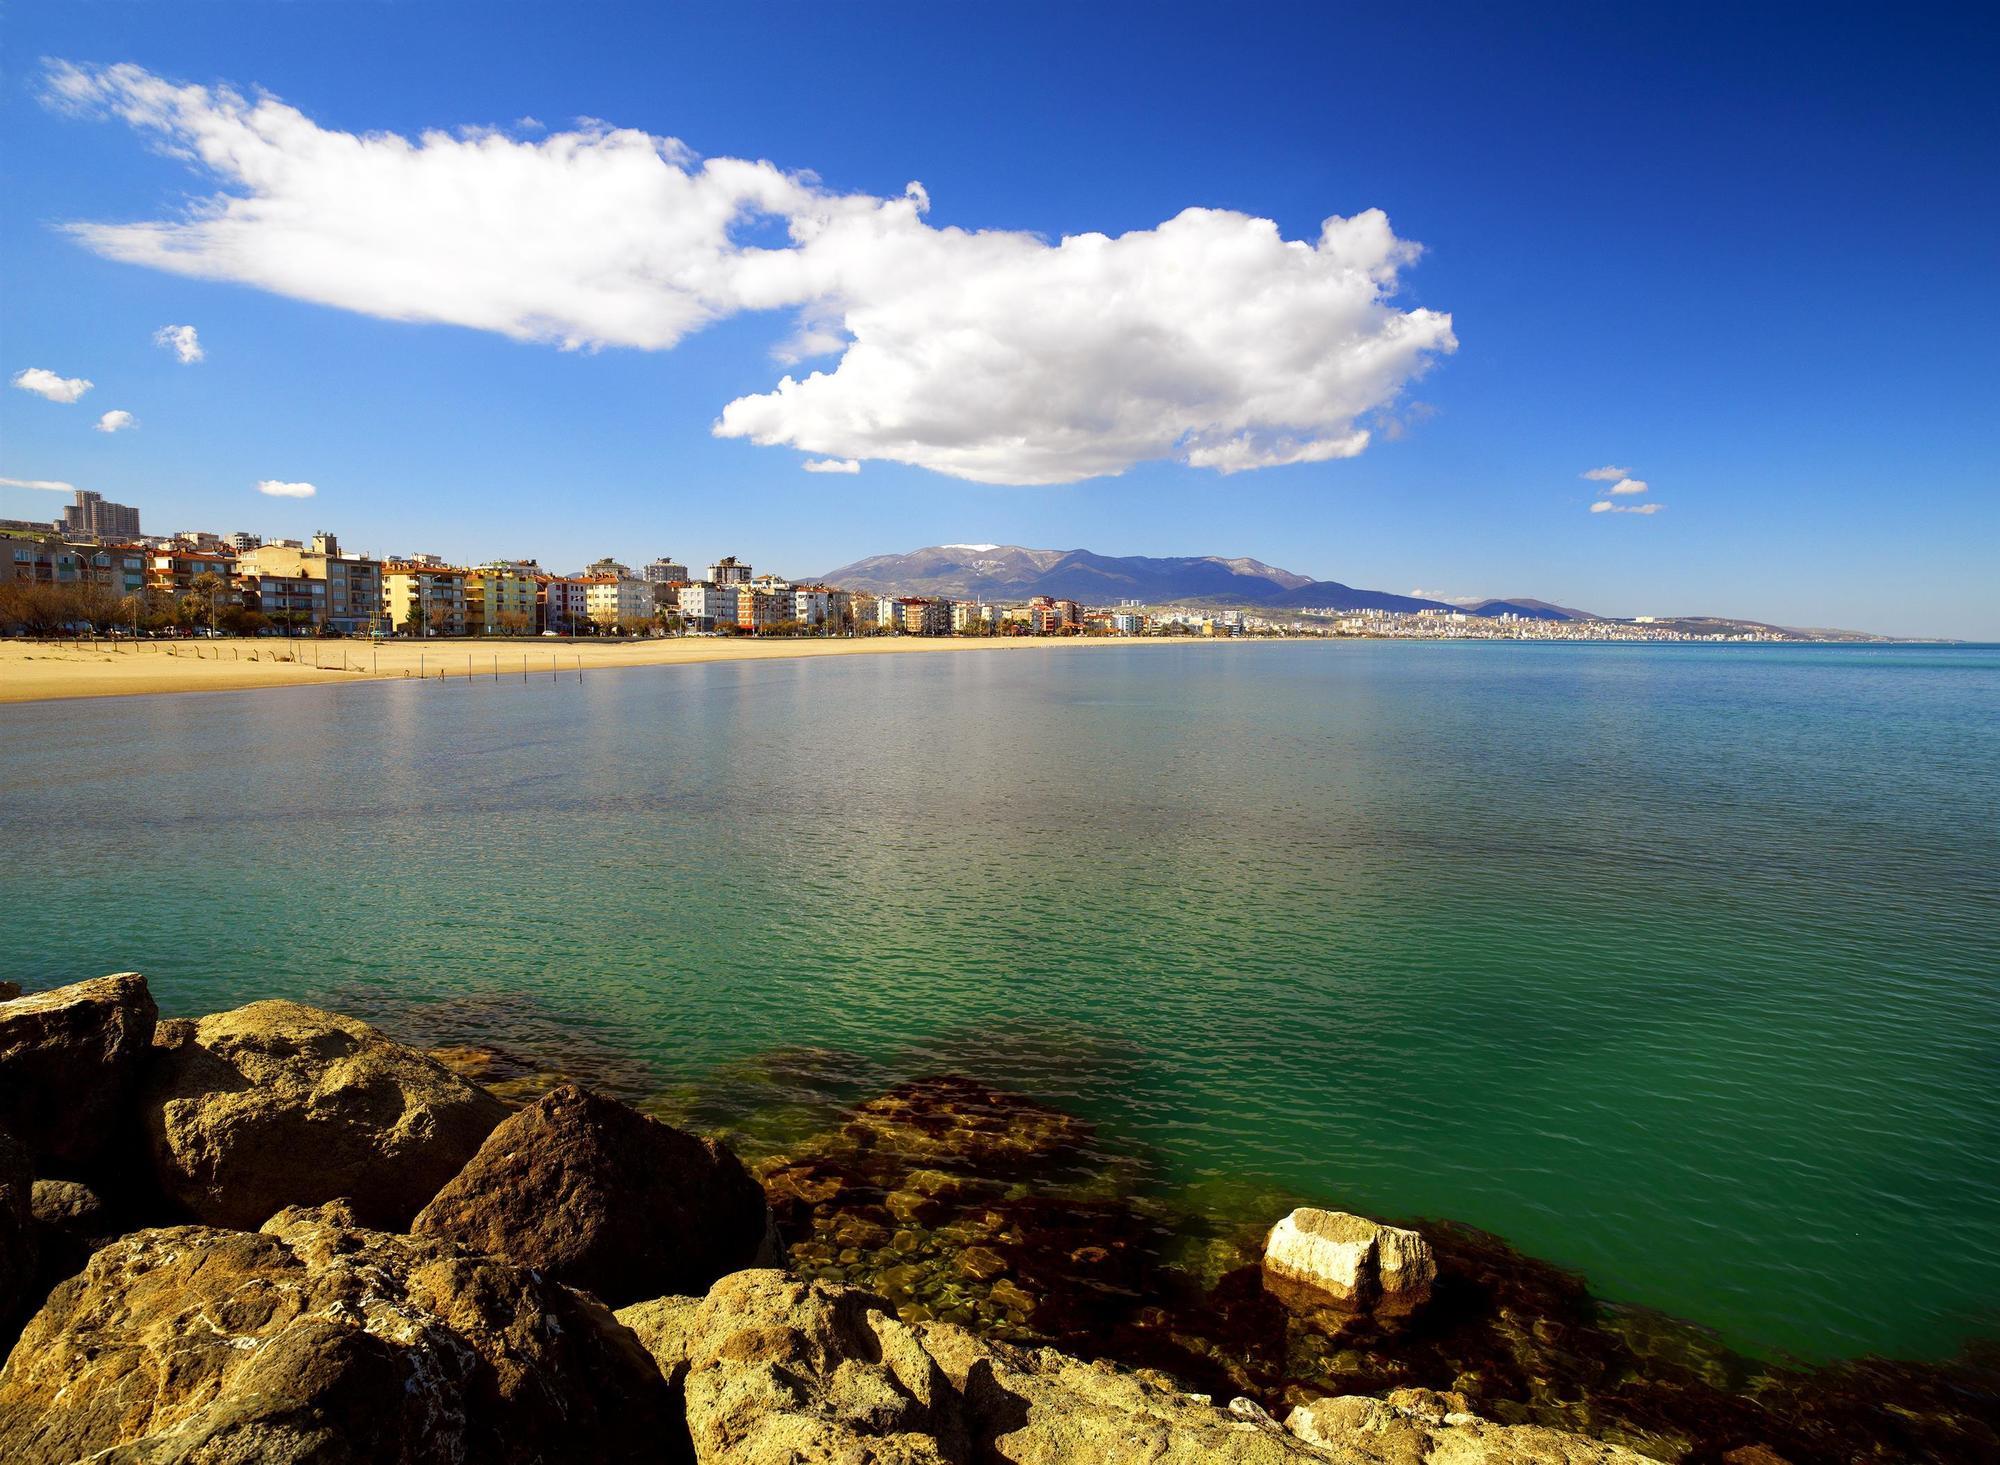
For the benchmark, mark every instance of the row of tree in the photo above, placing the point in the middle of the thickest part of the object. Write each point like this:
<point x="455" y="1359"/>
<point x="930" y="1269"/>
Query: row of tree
<point x="37" y="609"/>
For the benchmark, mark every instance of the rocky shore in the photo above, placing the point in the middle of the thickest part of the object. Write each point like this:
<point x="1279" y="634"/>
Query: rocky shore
<point x="276" y="1234"/>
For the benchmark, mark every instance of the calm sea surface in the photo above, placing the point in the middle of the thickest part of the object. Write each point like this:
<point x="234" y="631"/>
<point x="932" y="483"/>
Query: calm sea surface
<point x="1678" y="965"/>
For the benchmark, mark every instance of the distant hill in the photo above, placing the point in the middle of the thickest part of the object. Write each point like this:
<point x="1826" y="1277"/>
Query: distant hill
<point x="1011" y="572"/>
<point x="1530" y="609"/>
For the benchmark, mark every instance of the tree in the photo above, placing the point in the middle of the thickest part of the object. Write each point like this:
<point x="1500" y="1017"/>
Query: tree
<point x="204" y="589"/>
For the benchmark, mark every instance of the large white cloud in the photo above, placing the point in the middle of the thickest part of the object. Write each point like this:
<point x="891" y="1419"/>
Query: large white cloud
<point x="45" y="383"/>
<point x="992" y="355"/>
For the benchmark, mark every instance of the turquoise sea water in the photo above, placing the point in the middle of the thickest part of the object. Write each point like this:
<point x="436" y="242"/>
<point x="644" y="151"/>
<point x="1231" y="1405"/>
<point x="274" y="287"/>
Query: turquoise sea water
<point x="1678" y="965"/>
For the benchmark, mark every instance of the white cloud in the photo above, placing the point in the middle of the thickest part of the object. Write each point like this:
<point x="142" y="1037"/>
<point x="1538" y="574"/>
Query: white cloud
<point x="1628" y="486"/>
<point x="116" y="421"/>
<point x="991" y="355"/>
<point x="183" y="341"/>
<point x="278" y="489"/>
<point x="44" y="383"/>
<point x="45" y="483"/>
<point x="1605" y="506"/>
<point x="831" y="465"/>
<point x="1607" y="474"/>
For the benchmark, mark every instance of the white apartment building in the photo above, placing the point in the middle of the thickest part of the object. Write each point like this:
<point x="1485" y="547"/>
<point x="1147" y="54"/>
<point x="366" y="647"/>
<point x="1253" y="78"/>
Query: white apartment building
<point x="812" y="605"/>
<point x="704" y="606"/>
<point x="617" y="599"/>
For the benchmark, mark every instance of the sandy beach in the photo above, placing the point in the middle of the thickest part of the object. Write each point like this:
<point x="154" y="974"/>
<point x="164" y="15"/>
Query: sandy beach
<point x="38" y="672"/>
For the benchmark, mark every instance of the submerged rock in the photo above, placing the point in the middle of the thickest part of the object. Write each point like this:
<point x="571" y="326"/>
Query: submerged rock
<point x="601" y="1197"/>
<point x="278" y="1104"/>
<point x="315" y="1340"/>
<point x="69" y="1065"/>
<point x="1348" y="1264"/>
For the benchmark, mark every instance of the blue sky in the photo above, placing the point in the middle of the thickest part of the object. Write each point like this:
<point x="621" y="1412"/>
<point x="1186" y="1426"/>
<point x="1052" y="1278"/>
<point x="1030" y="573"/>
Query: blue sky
<point x="1748" y="256"/>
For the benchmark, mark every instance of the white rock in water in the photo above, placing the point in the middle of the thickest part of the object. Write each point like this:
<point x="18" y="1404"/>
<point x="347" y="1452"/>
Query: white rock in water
<point x="1349" y="1263"/>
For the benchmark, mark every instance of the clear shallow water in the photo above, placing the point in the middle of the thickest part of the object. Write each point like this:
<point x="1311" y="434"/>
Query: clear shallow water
<point x="1677" y="965"/>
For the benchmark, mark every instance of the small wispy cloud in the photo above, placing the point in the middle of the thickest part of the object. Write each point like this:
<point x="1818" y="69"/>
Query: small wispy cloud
<point x="183" y="341"/>
<point x="50" y="484"/>
<point x="1605" y="506"/>
<point x="278" y="489"/>
<point x="1628" y="486"/>
<point x="45" y="383"/>
<point x="831" y="465"/>
<point x="1606" y="474"/>
<point x="116" y="421"/>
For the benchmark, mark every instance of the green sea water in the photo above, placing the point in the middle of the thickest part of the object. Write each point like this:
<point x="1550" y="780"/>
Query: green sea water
<point x="1678" y="965"/>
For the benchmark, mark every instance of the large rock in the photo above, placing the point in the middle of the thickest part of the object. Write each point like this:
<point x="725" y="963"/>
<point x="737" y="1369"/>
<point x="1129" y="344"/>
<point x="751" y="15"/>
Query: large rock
<point x="1041" y="1407"/>
<point x="1418" y="1427"/>
<point x="17" y="1232"/>
<point x="69" y="1065"/>
<point x="277" y="1104"/>
<point x="604" y="1198"/>
<point x="314" y="1340"/>
<point x="1348" y="1264"/>
<point x="777" y="1370"/>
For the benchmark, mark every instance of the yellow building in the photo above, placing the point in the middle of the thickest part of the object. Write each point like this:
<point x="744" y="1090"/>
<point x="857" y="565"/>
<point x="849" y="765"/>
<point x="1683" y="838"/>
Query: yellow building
<point x="424" y="600"/>
<point x="500" y="599"/>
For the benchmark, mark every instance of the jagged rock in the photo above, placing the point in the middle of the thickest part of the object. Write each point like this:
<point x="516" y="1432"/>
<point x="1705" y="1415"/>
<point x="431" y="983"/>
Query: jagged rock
<point x="1419" y="1427"/>
<point x="604" y="1198"/>
<point x="776" y="1371"/>
<point x="314" y="1340"/>
<point x="1348" y="1264"/>
<point x="9" y="991"/>
<point x="1041" y="1407"/>
<point x="278" y="1104"/>
<point x="71" y="1221"/>
<point x="69" y="1065"/>
<point x="17" y="1231"/>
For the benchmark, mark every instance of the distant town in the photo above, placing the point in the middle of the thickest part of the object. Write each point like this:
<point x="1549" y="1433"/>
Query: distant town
<point x="95" y="569"/>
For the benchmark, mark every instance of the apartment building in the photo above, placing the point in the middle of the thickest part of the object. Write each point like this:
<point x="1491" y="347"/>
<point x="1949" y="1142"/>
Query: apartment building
<point x="729" y="571"/>
<point x="706" y="607"/>
<point x="284" y="600"/>
<point x="94" y="517"/>
<point x="423" y="599"/>
<point x="352" y="599"/>
<point x="561" y="604"/>
<point x="924" y="617"/>
<point x="617" y="600"/>
<point x="664" y="571"/>
<point x="501" y="598"/>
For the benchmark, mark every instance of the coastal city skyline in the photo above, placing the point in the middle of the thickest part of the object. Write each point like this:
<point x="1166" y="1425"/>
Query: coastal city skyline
<point x="95" y="569"/>
<point x="1543" y="420"/>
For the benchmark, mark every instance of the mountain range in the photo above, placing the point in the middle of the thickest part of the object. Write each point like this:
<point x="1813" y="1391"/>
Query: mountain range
<point x="1012" y="572"/>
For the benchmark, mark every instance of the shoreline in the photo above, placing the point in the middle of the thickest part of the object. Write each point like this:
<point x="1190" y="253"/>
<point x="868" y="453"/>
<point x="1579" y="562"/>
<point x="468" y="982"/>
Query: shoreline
<point x="485" y="1202"/>
<point x="50" y="672"/>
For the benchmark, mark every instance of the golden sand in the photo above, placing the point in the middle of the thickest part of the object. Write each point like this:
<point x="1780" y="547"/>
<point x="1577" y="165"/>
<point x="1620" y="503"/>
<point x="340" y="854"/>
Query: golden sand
<point x="35" y="672"/>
